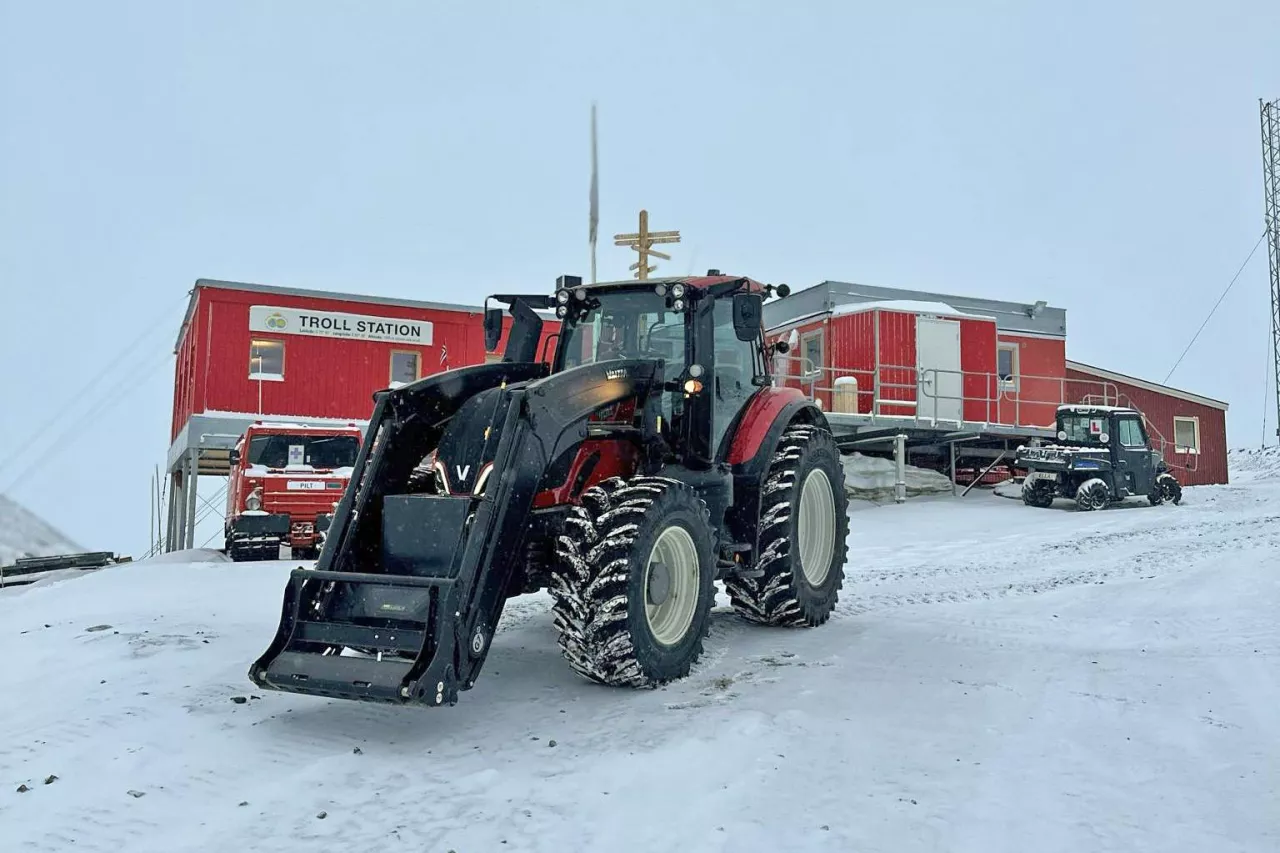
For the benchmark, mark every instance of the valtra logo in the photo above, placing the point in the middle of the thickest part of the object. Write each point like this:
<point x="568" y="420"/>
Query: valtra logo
<point x="276" y="320"/>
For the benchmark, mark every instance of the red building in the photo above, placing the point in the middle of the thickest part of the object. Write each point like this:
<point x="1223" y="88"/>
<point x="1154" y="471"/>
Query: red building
<point x="249" y="352"/>
<point x="980" y="367"/>
<point x="1189" y="429"/>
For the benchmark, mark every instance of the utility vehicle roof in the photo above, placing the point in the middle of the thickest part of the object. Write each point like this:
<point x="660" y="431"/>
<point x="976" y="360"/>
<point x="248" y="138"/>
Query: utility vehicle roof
<point x="1085" y="408"/>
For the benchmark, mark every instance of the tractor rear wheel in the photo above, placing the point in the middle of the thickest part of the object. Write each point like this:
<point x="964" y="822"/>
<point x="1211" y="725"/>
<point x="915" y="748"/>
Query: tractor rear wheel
<point x="634" y="584"/>
<point x="804" y="523"/>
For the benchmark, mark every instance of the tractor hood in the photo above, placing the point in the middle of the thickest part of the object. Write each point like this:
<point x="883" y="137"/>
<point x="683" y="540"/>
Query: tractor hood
<point x="464" y="459"/>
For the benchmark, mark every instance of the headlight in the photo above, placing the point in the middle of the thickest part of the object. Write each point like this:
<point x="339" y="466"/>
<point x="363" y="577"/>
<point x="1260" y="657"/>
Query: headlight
<point x="678" y="305"/>
<point x="580" y="294"/>
<point x="562" y="296"/>
<point x="562" y="311"/>
<point x="677" y="290"/>
<point x="253" y="503"/>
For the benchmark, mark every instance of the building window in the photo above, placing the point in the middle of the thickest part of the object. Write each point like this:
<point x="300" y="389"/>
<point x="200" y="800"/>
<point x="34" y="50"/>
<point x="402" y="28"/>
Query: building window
<point x="1007" y="366"/>
<point x="1186" y="435"/>
<point x="811" y="362"/>
<point x="404" y="367"/>
<point x="266" y="359"/>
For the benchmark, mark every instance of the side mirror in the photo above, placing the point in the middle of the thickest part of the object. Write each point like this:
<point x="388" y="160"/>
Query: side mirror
<point x="492" y="328"/>
<point x="781" y="347"/>
<point x="783" y="291"/>
<point x="234" y="457"/>
<point x="747" y="310"/>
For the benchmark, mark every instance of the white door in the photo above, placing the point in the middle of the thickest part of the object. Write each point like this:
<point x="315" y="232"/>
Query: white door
<point x="941" y="385"/>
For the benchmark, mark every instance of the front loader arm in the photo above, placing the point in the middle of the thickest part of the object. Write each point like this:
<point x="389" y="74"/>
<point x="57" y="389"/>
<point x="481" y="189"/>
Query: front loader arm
<point x="420" y="580"/>
<point x="549" y="416"/>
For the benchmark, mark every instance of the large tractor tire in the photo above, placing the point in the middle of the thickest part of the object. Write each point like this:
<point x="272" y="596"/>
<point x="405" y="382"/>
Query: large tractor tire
<point x="1093" y="495"/>
<point x="634" y="582"/>
<point x="1167" y="488"/>
<point x="1038" y="493"/>
<point x="804" y="523"/>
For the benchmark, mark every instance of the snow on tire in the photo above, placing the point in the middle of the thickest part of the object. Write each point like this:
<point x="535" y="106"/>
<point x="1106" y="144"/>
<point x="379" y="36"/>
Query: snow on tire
<point x="634" y="582"/>
<point x="790" y="592"/>
<point x="1093" y="494"/>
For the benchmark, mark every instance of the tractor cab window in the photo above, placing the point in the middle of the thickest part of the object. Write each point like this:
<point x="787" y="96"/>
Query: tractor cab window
<point x="737" y="364"/>
<point x="626" y="324"/>
<point x="317" y="451"/>
<point x="631" y="324"/>
<point x="1083" y="428"/>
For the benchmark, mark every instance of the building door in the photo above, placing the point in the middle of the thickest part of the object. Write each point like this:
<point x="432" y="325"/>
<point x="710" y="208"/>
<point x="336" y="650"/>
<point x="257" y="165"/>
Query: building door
<point x="940" y="385"/>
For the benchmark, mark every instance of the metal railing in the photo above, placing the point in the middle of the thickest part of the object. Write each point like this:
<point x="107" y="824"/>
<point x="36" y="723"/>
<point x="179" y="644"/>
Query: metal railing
<point x="934" y="395"/>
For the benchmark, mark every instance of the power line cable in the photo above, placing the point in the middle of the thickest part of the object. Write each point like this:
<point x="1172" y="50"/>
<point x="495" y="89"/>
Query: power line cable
<point x="115" y="395"/>
<point x="1215" y="306"/>
<point x="95" y="381"/>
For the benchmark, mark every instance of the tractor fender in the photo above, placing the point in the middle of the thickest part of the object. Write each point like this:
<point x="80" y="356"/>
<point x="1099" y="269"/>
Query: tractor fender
<point x="758" y="433"/>
<point x="760" y="428"/>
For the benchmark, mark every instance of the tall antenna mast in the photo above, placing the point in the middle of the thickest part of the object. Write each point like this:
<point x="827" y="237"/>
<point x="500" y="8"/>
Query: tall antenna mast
<point x="1270" y="114"/>
<point x="595" y="195"/>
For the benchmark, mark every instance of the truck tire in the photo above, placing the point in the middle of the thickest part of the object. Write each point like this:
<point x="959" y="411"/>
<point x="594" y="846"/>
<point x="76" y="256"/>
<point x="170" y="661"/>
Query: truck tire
<point x="634" y="582"/>
<point x="1038" y="493"/>
<point x="1169" y="488"/>
<point x="1093" y="494"/>
<point x="802" y="501"/>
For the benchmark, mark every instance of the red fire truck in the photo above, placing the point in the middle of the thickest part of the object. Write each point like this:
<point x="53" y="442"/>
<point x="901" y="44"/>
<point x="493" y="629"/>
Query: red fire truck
<point x="286" y="480"/>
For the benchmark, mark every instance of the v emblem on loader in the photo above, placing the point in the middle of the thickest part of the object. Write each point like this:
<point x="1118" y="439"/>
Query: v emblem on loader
<point x="462" y="471"/>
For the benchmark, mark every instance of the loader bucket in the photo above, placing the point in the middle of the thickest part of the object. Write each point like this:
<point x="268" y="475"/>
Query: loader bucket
<point x="369" y="622"/>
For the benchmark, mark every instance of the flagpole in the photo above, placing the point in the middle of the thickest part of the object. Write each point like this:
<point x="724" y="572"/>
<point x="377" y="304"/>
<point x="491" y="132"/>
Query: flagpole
<point x="595" y="195"/>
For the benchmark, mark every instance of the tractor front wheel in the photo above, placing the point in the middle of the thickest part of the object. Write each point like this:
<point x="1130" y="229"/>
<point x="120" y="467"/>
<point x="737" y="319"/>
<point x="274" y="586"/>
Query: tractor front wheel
<point x="634" y="584"/>
<point x="1093" y="494"/>
<point x="804" y="523"/>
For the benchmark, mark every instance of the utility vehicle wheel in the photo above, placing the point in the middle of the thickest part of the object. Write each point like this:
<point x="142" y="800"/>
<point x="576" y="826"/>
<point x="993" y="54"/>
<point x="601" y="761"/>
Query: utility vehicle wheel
<point x="804" y="523"/>
<point x="1038" y="493"/>
<point x="634" y="584"/>
<point x="1093" y="494"/>
<point x="1169" y="487"/>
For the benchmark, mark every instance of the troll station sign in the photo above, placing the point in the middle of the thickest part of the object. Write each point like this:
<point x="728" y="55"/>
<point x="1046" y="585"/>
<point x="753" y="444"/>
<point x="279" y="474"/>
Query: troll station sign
<point x="331" y="324"/>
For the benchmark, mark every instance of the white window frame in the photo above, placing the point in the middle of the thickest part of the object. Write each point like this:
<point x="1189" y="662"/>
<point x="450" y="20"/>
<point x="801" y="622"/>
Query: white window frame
<point x="1195" y="426"/>
<point x="1013" y="347"/>
<point x="266" y="377"/>
<point x="816" y="373"/>
<point x="391" y="366"/>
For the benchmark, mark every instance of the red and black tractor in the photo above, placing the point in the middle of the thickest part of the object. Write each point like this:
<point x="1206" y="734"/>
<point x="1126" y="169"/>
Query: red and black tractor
<point x="647" y="458"/>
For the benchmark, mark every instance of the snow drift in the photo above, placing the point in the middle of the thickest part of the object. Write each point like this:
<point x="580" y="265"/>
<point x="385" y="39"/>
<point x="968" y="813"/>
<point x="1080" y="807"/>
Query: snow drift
<point x="1258" y="463"/>
<point x="24" y="534"/>
<point x="872" y="478"/>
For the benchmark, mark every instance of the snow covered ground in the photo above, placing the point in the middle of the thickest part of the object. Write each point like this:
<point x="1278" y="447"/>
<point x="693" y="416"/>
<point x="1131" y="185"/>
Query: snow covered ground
<point x="997" y="678"/>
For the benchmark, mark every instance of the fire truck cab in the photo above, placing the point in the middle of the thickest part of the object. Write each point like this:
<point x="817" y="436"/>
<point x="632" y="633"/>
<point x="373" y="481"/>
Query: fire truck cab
<point x="286" y="480"/>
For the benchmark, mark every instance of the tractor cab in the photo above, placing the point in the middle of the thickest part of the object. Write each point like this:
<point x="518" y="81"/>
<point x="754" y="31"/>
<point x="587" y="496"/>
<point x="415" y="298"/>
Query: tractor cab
<point x="1102" y="455"/>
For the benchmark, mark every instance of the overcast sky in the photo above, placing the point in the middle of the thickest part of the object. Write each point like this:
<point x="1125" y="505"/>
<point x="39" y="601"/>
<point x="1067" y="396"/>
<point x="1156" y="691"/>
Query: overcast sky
<point x="1102" y="156"/>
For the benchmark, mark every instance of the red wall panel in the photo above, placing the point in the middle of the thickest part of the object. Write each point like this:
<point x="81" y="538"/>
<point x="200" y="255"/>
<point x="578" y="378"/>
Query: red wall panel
<point x="1209" y="466"/>
<point x="978" y="362"/>
<point x="897" y="349"/>
<point x="1042" y="363"/>
<point x="323" y="377"/>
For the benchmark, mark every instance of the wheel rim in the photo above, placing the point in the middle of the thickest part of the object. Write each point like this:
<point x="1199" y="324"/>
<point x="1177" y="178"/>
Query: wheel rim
<point x="673" y="569"/>
<point x="817" y="526"/>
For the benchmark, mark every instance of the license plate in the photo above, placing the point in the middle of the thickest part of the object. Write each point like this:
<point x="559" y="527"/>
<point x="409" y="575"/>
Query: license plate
<point x="305" y="486"/>
<point x="1042" y="475"/>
